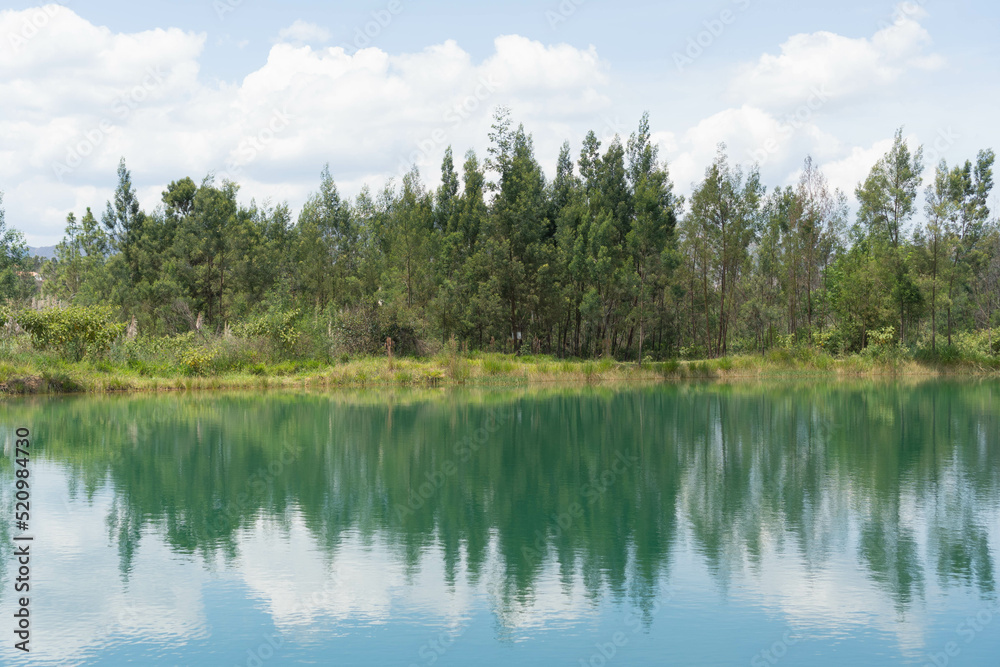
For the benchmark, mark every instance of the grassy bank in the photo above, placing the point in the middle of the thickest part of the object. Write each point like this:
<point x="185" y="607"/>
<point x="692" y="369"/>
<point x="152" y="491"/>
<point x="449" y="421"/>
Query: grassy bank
<point x="41" y="373"/>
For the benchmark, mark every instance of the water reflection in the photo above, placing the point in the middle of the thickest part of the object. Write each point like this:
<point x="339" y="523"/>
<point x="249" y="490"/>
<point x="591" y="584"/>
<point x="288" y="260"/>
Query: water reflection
<point x="354" y="510"/>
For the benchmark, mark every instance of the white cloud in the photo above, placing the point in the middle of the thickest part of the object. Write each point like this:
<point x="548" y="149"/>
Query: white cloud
<point x="838" y="66"/>
<point x="846" y="172"/>
<point x="752" y="135"/>
<point x="77" y="97"/>
<point x="303" y="31"/>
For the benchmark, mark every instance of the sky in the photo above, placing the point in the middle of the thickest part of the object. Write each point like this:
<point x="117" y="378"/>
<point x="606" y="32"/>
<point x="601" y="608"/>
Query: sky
<point x="266" y="94"/>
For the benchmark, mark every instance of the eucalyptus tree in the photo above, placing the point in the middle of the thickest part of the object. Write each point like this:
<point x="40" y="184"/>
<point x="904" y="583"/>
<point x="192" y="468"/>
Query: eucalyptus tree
<point x="887" y="201"/>
<point x="78" y="273"/>
<point x="819" y="216"/>
<point x="601" y="260"/>
<point x="13" y="259"/>
<point x="986" y="284"/>
<point x="571" y="214"/>
<point x="412" y="241"/>
<point x="326" y="244"/>
<point x="473" y="303"/>
<point x="123" y="220"/>
<point x="726" y="217"/>
<point x="656" y="208"/>
<point x="767" y="307"/>
<point x="260" y="260"/>
<point x="204" y="244"/>
<point x="970" y="188"/>
<point x="935" y="240"/>
<point x="517" y="221"/>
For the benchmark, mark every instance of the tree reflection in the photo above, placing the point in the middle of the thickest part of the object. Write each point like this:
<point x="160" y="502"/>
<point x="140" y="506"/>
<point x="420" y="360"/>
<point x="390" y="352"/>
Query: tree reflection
<point x="742" y="470"/>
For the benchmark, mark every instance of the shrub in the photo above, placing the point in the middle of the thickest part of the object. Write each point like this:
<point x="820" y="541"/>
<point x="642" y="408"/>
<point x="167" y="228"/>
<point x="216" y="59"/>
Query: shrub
<point x="196" y="361"/>
<point x="694" y="352"/>
<point x="74" y="332"/>
<point x="357" y="332"/>
<point x="976" y="344"/>
<point x="882" y="337"/>
<point x="786" y="342"/>
<point x="830" y="341"/>
<point x="276" y="326"/>
<point x="883" y="345"/>
<point x="404" y="339"/>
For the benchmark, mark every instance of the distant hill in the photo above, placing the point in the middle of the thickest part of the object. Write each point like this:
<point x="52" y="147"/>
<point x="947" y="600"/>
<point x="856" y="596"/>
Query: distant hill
<point x="48" y="252"/>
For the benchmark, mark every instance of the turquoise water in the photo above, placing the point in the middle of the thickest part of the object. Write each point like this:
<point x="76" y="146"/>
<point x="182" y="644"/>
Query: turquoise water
<point x="756" y="524"/>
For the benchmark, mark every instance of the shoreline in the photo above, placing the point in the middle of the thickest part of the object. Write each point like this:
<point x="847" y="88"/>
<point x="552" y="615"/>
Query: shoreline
<point x="55" y="377"/>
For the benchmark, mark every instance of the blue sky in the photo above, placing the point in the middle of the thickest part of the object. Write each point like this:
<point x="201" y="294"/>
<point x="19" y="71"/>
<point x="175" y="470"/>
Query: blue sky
<point x="265" y="93"/>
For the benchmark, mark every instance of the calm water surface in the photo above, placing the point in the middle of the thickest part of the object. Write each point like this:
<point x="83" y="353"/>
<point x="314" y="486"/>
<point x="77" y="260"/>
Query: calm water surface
<point x="791" y="524"/>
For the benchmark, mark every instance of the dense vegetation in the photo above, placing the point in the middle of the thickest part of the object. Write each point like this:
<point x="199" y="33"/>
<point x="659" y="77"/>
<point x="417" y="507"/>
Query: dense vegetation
<point x="603" y="260"/>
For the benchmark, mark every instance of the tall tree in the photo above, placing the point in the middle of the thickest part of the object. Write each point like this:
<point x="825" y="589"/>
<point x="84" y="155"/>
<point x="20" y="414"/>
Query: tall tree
<point x="123" y="219"/>
<point x="652" y="230"/>
<point x="517" y="221"/>
<point x="887" y="201"/>
<point x="13" y="259"/>
<point x="412" y="240"/>
<point x="970" y="191"/>
<point x="204" y="244"/>
<point x="725" y="213"/>
<point x="814" y="222"/>
<point x="327" y="247"/>
<point x="941" y="211"/>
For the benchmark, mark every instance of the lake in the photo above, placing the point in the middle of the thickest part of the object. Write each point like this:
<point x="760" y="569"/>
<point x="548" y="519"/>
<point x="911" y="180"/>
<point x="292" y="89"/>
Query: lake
<point x="795" y="523"/>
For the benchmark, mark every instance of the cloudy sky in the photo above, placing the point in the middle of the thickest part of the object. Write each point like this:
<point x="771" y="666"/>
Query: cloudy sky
<point x="267" y="93"/>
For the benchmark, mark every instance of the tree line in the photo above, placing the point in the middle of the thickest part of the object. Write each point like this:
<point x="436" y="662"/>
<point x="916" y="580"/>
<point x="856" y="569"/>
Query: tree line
<point x="605" y="259"/>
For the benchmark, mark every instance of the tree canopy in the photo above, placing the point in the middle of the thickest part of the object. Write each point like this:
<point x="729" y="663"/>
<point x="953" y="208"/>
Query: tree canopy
<point x="604" y="259"/>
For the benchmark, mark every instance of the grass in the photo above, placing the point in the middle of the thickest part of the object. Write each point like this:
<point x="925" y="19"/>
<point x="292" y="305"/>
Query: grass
<point x="26" y="371"/>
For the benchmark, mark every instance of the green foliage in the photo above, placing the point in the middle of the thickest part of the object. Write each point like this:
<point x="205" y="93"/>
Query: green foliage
<point x="277" y="326"/>
<point x="882" y="338"/>
<point x="830" y="341"/>
<point x="196" y="361"/>
<point x="495" y="365"/>
<point x="357" y="331"/>
<point x="74" y="332"/>
<point x="978" y="344"/>
<point x="603" y="261"/>
<point x="787" y="342"/>
<point x="884" y="345"/>
<point x="13" y="261"/>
